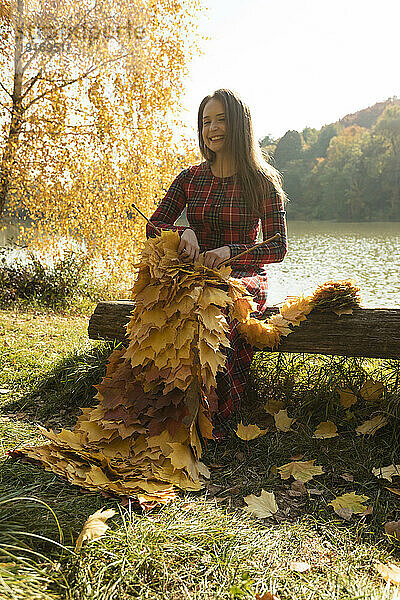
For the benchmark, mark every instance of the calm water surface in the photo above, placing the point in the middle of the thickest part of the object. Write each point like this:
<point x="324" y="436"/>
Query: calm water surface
<point x="319" y="251"/>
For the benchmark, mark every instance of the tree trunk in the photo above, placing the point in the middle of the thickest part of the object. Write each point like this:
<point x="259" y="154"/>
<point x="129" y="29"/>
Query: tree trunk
<point x="11" y="146"/>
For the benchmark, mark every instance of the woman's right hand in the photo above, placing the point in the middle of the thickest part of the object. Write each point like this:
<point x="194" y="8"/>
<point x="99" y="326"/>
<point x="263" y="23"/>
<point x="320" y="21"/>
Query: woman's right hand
<point x="188" y="248"/>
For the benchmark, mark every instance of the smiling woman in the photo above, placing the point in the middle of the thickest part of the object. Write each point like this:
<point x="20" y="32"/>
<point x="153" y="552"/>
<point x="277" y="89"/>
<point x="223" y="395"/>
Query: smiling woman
<point x="229" y="197"/>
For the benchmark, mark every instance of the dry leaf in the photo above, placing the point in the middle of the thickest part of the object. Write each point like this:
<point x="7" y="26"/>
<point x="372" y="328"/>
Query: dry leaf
<point x="262" y="506"/>
<point x="299" y="487"/>
<point x="372" y="425"/>
<point x="297" y="457"/>
<point x="347" y="397"/>
<point x="372" y="390"/>
<point x="392" y="528"/>
<point x="282" y="421"/>
<point x="349" y="502"/>
<point x="386" y="472"/>
<point x="389" y="572"/>
<point x="267" y="596"/>
<point x="299" y="566"/>
<point x="94" y="527"/>
<point x="273" y="406"/>
<point x="326" y="429"/>
<point x="249" y="432"/>
<point x="302" y="471"/>
<point x="394" y="490"/>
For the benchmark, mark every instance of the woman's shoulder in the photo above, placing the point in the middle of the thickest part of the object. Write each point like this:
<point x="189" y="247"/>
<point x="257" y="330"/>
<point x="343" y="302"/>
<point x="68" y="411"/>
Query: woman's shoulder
<point x="193" y="171"/>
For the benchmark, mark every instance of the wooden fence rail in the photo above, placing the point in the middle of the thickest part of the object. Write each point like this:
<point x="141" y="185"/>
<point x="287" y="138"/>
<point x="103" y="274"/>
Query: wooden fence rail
<point x="369" y="332"/>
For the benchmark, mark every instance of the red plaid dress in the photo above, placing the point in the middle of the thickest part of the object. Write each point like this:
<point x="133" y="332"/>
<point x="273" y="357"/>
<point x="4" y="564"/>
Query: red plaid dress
<point x="217" y="213"/>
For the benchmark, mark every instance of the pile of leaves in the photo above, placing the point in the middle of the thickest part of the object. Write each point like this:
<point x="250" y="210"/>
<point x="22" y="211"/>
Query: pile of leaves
<point x="145" y="435"/>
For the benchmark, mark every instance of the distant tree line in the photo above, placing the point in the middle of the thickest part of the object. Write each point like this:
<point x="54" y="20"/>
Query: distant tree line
<point x="346" y="171"/>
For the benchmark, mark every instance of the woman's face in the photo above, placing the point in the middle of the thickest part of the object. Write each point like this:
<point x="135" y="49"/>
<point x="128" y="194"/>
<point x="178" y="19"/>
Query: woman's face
<point x="214" y="125"/>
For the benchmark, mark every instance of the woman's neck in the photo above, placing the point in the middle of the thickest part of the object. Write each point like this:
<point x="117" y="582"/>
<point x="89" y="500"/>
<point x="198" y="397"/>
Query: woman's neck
<point x="223" y="166"/>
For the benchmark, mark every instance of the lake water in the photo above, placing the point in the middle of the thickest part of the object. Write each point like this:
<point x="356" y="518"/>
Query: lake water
<point x="321" y="250"/>
<point x="318" y="251"/>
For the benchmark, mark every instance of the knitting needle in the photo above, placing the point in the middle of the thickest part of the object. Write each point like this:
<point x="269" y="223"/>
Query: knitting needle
<point x="274" y="238"/>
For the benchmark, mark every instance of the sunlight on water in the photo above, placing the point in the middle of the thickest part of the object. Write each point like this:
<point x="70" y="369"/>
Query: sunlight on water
<point x="319" y="251"/>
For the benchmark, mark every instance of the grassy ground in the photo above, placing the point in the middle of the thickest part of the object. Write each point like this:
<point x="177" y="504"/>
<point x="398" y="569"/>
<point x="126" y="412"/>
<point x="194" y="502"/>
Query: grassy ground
<point x="202" y="546"/>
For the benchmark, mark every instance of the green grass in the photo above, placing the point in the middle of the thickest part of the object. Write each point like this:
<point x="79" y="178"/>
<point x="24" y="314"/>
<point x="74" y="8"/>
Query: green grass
<point x="203" y="546"/>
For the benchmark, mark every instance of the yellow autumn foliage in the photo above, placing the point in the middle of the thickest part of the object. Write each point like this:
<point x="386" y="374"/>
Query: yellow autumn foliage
<point x="91" y="101"/>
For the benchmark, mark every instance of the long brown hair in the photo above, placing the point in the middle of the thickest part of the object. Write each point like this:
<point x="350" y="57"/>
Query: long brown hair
<point x="254" y="172"/>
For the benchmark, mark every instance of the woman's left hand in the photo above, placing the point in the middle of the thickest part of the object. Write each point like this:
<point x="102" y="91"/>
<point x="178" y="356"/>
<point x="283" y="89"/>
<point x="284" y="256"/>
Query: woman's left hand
<point x="212" y="258"/>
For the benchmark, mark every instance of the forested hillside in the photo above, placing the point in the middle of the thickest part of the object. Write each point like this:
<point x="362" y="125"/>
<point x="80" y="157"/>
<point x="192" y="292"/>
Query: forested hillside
<point x="346" y="171"/>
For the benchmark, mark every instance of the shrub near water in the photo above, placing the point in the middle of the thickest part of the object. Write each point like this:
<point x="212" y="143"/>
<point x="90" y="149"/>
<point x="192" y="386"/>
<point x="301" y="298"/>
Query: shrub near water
<point x="56" y="286"/>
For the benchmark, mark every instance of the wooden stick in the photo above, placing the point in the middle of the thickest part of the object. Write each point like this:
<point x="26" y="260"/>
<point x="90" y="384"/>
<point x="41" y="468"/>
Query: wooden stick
<point x="144" y="217"/>
<point x="274" y="238"/>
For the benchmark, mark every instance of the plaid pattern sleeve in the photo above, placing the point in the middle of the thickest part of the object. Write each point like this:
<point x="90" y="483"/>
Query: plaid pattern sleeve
<point x="273" y="220"/>
<point x="170" y="207"/>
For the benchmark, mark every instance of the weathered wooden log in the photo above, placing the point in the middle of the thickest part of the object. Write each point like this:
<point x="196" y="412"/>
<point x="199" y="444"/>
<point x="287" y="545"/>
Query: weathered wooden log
<point x="369" y="332"/>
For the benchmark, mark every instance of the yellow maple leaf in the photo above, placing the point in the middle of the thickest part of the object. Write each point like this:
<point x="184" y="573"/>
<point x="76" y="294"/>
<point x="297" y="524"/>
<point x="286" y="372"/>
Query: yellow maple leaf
<point x="205" y="425"/>
<point x="372" y="425"/>
<point x="214" y="295"/>
<point x="262" y="506"/>
<point x="347" y="397"/>
<point x="280" y="323"/>
<point x="301" y="470"/>
<point x="349" y="502"/>
<point x="242" y="308"/>
<point x="260" y="334"/>
<point x="386" y="472"/>
<point x="372" y="390"/>
<point x="212" y="318"/>
<point x="249" y="432"/>
<point x="155" y="316"/>
<point x="95" y="526"/>
<point x="295" y="310"/>
<point x="181" y="456"/>
<point x="282" y="421"/>
<point x="326" y="429"/>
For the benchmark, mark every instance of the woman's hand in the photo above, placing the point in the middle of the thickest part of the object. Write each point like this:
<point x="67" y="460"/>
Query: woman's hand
<point x="188" y="248"/>
<point x="213" y="258"/>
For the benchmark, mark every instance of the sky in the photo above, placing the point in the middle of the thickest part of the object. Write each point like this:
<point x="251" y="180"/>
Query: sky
<point x="296" y="63"/>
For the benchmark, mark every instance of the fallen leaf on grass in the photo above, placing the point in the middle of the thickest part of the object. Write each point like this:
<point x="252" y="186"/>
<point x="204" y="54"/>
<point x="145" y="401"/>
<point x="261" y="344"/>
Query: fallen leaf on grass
<point x="282" y="421"/>
<point x="386" y="472"/>
<point x="299" y="566"/>
<point x="348" y="504"/>
<point x="273" y="406"/>
<point x="389" y="572"/>
<point x="326" y="429"/>
<point x="372" y="390"/>
<point x="266" y="596"/>
<point x="372" y="425"/>
<point x="262" y="506"/>
<point x="392" y="528"/>
<point x="249" y="432"/>
<point x="347" y="397"/>
<point x="302" y="471"/>
<point x="298" y="487"/>
<point x="347" y="476"/>
<point x="94" y="527"/>
<point x="297" y="457"/>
